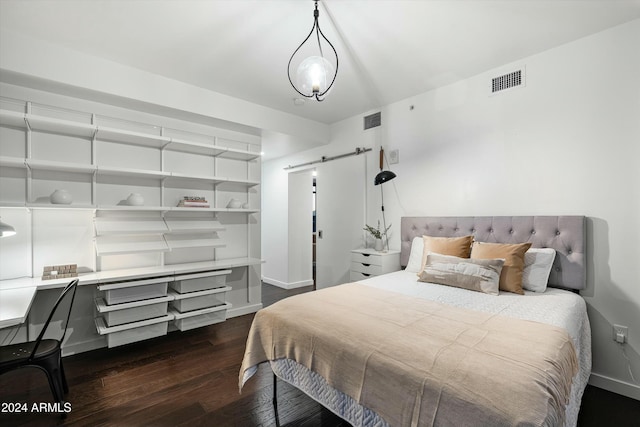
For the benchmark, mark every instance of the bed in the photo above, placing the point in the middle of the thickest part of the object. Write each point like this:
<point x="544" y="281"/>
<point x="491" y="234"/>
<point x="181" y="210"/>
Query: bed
<point x="393" y="350"/>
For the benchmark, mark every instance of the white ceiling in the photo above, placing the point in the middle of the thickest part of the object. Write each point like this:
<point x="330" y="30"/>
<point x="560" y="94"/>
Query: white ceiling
<point x="388" y="49"/>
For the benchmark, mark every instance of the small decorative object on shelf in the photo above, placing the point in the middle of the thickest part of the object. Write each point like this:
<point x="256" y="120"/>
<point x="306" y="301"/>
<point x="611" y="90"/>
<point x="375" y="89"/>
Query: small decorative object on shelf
<point x="234" y="204"/>
<point x="193" y="202"/>
<point x="59" y="271"/>
<point x="245" y="205"/>
<point x="135" y="199"/>
<point x="60" y="197"/>
<point x="377" y="234"/>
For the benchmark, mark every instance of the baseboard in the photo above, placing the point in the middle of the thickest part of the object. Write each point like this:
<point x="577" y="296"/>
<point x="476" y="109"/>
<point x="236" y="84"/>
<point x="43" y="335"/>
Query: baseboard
<point x="288" y="286"/>
<point x="616" y="386"/>
<point x="241" y="311"/>
<point x="81" y="347"/>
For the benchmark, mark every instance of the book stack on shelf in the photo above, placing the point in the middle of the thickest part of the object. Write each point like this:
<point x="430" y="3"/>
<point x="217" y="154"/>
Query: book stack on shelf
<point x="193" y="202"/>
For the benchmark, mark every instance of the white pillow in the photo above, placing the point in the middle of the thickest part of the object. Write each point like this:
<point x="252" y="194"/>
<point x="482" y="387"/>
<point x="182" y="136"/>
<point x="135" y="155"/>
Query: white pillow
<point x="537" y="267"/>
<point x="415" y="256"/>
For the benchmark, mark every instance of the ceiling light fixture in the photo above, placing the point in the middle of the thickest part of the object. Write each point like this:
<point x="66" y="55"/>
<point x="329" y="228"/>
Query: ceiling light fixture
<point x="315" y="75"/>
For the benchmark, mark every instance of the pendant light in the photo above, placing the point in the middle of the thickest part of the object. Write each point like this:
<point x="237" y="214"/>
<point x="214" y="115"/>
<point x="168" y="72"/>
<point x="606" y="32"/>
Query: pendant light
<point x="315" y="75"/>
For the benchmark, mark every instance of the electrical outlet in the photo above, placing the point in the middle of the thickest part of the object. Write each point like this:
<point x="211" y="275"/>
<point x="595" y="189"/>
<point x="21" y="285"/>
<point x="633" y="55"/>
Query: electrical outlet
<point x="620" y="333"/>
<point x="394" y="157"/>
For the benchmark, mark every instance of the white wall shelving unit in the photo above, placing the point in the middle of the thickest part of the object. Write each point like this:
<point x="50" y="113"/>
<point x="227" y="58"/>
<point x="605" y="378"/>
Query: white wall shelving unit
<point x="103" y="159"/>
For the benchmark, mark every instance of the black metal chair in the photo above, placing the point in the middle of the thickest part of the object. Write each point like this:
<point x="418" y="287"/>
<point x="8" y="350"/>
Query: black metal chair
<point x="44" y="354"/>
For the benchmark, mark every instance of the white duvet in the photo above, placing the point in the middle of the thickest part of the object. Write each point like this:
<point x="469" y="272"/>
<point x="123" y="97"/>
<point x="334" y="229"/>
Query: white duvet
<point x="555" y="307"/>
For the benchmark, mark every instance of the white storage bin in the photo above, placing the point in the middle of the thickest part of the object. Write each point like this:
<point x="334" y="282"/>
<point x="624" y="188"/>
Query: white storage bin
<point x="196" y="303"/>
<point x="199" y="281"/>
<point x="199" y="318"/>
<point x="132" y="332"/>
<point x="117" y="293"/>
<point x="120" y="314"/>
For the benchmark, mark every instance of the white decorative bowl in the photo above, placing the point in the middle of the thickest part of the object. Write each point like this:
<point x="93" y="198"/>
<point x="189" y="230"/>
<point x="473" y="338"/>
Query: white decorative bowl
<point x="135" y="199"/>
<point x="60" y="197"/>
<point x="234" y="204"/>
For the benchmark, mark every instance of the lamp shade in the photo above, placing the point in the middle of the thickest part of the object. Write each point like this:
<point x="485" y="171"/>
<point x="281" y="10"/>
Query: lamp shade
<point x="6" y="230"/>
<point x="383" y="177"/>
<point x="314" y="76"/>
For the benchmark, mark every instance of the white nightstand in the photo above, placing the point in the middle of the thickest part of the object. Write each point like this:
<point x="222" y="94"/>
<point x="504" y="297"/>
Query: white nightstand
<point x="367" y="263"/>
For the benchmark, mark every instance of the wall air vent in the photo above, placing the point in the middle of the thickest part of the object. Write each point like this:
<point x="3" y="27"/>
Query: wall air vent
<point x="508" y="81"/>
<point x="372" y="120"/>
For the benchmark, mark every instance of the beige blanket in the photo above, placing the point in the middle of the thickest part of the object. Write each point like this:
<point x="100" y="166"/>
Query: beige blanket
<point x="420" y="363"/>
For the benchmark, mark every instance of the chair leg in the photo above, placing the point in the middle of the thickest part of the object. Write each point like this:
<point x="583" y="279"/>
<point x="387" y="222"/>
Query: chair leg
<point x="51" y="366"/>
<point x="275" y="399"/>
<point x="65" y="386"/>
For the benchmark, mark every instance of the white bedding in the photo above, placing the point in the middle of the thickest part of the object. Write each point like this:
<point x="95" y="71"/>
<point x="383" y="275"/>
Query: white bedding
<point x="555" y="307"/>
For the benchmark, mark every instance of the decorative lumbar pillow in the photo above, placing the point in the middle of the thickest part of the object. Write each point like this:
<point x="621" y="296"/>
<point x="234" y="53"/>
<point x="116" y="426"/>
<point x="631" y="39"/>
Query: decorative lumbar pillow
<point x="452" y="246"/>
<point x="415" y="256"/>
<point x="481" y="275"/>
<point x="537" y="267"/>
<point x="513" y="255"/>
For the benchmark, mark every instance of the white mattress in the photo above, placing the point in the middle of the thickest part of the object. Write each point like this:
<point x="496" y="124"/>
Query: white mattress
<point x="555" y="307"/>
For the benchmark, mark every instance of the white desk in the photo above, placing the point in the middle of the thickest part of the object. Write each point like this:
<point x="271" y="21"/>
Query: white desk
<point x="15" y="304"/>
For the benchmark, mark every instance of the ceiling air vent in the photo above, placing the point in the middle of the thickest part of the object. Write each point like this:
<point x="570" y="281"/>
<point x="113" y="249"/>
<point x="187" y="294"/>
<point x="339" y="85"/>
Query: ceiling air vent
<point x="372" y="120"/>
<point x="508" y="81"/>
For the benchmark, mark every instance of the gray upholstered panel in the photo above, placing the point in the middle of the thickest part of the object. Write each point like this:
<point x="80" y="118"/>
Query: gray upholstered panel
<point x="565" y="234"/>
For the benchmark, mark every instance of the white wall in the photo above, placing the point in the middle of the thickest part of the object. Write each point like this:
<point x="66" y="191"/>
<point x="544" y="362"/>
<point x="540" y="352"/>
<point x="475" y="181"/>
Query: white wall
<point x="300" y="228"/>
<point x="566" y="144"/>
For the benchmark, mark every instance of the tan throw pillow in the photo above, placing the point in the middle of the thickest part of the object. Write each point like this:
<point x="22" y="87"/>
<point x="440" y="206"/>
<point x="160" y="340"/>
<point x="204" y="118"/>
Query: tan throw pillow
<point x="513" y="255"/>
<point x="452" y="246"/>
<point x="481" y="275"/>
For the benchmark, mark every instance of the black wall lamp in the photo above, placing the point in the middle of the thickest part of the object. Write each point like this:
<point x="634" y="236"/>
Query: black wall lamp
<point x="315" y="75"/>
<point x="382" y="177"/>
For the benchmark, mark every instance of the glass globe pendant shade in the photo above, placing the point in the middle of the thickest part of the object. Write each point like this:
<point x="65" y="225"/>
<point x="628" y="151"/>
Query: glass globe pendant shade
<point x="314" y="75"/>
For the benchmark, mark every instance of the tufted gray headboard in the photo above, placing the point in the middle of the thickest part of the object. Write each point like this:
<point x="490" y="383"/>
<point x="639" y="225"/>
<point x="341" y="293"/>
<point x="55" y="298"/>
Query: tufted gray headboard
<point x="565" y="234"/>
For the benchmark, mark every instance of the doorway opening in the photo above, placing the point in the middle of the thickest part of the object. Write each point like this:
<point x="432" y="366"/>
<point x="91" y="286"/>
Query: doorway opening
<point x="313" y="250"/>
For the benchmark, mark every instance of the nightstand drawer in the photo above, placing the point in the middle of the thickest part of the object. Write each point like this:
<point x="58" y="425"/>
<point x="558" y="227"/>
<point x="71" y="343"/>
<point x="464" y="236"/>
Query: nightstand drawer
<point x="356" y="276"/>
<point x="365" y="258"/>
<point x="373" y="270"/>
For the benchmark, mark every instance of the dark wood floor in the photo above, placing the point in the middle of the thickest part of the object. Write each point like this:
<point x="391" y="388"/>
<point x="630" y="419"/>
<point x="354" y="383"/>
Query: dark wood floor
<point x="191" y="379"/>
